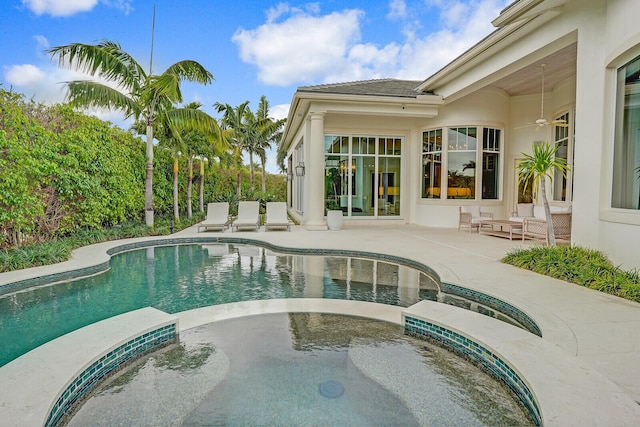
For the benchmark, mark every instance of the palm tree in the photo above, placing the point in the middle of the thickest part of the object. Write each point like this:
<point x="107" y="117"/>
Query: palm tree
<point x="269" y="131"/>
<point x="235" y="132"/>
<point x="536" y="168"/>
<point x="198" y="145"/>
<point x="138" y="94"/>
<point x="203" y="161"/>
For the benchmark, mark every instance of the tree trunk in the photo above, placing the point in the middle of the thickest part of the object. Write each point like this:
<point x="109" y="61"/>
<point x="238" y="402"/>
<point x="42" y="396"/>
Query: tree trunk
<point x="176" y="212"/>
<point x="201" y="185"/>
<point x="238" y="184"/>
<point x="264" y="176"/>
<point x="190" y="188"/>
<point x="148" y="192"/>
<point x="253" y="187"/>
<point x="547" y="212"/>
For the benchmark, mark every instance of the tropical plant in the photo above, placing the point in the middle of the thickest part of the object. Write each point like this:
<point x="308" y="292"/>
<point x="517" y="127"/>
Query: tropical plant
<point x="138" y="94"/>
<point x="234" y="131"/>
<point x="269" y="132"/>
<point x="536" y="168"/>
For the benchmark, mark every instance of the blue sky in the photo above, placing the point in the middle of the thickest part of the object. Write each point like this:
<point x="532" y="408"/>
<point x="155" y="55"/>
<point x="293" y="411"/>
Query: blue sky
<point x="252" y="47"/>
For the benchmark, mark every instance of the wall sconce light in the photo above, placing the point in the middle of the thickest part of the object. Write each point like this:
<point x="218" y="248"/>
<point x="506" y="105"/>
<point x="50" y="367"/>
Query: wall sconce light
<point x="300" y="169"/>
<point x="290" y="175"/>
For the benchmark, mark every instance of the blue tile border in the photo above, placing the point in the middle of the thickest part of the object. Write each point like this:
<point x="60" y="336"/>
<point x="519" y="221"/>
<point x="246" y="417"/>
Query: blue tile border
<point x="495" y="303"/>
<point x="106" y="364"/>
<point x="478" y="353"/>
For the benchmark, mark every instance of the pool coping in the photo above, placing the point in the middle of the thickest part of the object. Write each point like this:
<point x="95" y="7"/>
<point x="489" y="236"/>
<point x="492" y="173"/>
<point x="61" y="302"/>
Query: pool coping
<point x="556" y="328"/>
<point x="566" y="390"/>
<point x="39" y="387"/>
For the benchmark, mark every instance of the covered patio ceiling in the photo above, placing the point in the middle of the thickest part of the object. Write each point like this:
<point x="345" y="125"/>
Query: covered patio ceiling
<point x="560" y="66"/>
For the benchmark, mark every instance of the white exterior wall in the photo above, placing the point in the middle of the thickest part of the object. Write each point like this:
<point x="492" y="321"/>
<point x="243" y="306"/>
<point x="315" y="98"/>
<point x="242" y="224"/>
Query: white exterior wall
<point x="618" y="230"/>
<point x="487" y="107"/>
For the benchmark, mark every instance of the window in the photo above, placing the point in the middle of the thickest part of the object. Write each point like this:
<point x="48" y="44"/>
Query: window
<point x="490" y="163"/>
<point x="626" y="157"/>
<point x="561" y="138"/>
<point x="299" y="158"/>
<point x="431" y="163"/>
<point x="461" y="164"/>
<point x="464" y="147"/>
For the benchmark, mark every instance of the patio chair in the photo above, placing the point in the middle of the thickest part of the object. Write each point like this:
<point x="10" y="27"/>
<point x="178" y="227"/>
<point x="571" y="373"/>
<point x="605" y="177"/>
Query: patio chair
<point x="248" y="216"/>
<point x="536" y="228"/>
<point x="470" y="216"/>
<point x="217" y="216"/>
<point x="276" y="216"/>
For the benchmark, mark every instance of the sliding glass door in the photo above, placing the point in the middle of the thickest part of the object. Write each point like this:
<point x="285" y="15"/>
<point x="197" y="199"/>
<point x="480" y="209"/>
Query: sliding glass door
<point x="363" y="175"/>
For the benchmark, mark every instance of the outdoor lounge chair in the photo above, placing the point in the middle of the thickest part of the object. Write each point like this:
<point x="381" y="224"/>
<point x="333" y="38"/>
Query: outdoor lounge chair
<point x="470" y="216"/>
<point x="276" y="216"/>
<point x="248" y="216"/>
<point x="217" y="216"/>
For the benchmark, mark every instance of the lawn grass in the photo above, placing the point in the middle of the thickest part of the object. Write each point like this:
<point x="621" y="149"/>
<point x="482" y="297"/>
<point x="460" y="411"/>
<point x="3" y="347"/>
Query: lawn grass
<point x="582" y="266"/>
<point x="59" y="249"/>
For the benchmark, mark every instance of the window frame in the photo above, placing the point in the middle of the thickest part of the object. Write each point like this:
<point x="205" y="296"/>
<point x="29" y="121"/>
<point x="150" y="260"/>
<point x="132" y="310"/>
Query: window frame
<point x="478" y="157"/>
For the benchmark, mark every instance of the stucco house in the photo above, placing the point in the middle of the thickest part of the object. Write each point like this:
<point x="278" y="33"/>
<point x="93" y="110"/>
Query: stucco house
<point x="396" y="151"/>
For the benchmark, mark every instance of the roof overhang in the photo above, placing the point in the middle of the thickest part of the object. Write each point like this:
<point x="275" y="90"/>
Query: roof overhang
<point x="420" y="106"/>
<point x="529" y="13"/>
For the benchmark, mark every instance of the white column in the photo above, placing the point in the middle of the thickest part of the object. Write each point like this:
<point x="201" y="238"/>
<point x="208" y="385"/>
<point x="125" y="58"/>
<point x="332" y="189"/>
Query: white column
<point x="314" y="174"/>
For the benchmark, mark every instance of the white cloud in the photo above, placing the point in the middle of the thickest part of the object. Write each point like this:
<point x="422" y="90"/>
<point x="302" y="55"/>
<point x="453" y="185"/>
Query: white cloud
<point x="280" y="111"/>
<point x="59" y="7"/>
<point x="123" y="5"/>
<point x="71" y="7"/>
<point x="47" y="86"/>
<point x="25" y="75"/>
<point x="300" y="48"/>
<point x="297" y="46"/>
<point x="397" y="9"/>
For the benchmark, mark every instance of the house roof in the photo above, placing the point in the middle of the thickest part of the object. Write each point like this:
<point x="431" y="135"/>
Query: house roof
<point x="378" y="87"/>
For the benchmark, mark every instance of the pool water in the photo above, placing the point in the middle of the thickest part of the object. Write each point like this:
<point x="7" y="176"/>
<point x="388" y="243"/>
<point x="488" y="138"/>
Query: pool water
<point x="183" y="277"/>
<point x="301" y="369"/>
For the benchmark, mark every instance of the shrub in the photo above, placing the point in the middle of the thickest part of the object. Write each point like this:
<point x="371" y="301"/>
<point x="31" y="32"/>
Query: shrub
<point x="582" y="266"/>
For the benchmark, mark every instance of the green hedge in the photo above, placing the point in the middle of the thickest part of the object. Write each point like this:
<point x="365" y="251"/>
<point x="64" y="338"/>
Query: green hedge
<point x="582" y="266"/>
<point x="64" y="171"/>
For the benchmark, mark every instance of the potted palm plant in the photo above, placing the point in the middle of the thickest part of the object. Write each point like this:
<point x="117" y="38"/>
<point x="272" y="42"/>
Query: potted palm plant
<point x="536" y="168"/>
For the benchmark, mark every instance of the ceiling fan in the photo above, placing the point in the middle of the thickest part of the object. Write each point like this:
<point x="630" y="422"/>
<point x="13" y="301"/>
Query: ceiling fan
<point x="541" y="122"/>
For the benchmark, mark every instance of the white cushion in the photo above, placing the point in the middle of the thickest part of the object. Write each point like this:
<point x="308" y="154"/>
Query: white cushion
<point x="474" y="210"/>
<point x="538" y="211"/>
<point x="524" y="210"/>
<point x="480" y="218"/>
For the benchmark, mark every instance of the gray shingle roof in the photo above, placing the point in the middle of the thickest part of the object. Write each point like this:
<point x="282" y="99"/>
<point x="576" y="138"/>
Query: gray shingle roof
<point x="379" y="87"/>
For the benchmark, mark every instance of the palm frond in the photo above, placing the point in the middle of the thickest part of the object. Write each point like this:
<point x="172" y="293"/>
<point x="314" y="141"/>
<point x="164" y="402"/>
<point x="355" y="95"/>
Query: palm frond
<point x="189" y="119"/>
<point x="541" y="163"/>
<point x="105" y="60"/>
<point x="163" y="86"/>
<point x="84" y="93"/>
<point x="191" y="71"/>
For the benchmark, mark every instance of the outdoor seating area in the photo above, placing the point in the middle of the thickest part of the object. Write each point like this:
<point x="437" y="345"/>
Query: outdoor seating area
<point x="536" y="228"/>
<point x="217" y="217"/>
<point x="534" y="224"/>
<point x="526" y="222"/>
<point x="472" y="216"/>
<point x="276" y="216"/>
<point x="249" y="217"/>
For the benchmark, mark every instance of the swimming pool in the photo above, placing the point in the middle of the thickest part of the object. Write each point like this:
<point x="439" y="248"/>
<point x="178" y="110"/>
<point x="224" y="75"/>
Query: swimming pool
<point x="304" y="369"/>
<point x="177" y="278"/>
